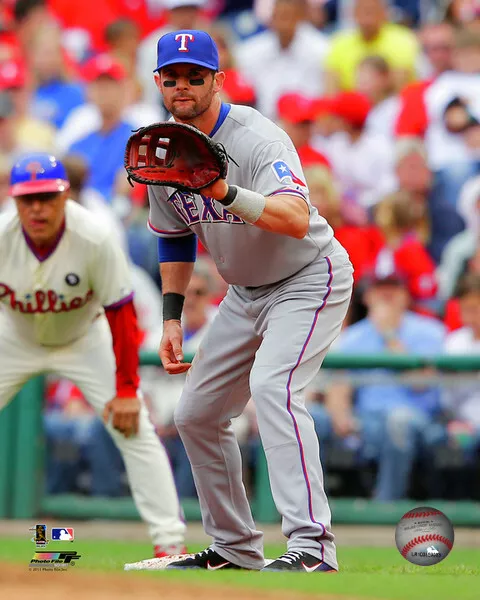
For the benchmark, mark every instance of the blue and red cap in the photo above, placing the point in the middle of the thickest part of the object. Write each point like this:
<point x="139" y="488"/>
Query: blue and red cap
<point x="38" y="173"/>
<point x="187" y="46"/>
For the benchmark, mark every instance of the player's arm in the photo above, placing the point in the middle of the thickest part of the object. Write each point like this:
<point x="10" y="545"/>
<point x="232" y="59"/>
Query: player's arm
<point x="285" y="214"/>
<point x="124" y="409"/>
<point x="110" y="281"/>
<point x="177" y="251"/>
<point x="176" y="259"/>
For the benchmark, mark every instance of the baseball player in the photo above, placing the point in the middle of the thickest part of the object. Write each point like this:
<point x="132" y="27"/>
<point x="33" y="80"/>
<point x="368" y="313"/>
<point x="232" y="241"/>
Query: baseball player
<point x="66" y="307"/>
<point x="290" y="286"/>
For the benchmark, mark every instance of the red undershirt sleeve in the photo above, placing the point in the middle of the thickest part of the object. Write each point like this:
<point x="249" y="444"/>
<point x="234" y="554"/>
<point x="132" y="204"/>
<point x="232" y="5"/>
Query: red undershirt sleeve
<point x="126" y="337"/>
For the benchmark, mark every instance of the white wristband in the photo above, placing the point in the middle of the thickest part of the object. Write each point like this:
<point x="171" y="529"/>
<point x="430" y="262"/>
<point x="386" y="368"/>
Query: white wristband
<point x="247" y="205"/>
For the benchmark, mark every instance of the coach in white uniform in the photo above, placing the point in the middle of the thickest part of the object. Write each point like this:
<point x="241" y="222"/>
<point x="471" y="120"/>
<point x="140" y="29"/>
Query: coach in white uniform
<point x="66" y="307"/>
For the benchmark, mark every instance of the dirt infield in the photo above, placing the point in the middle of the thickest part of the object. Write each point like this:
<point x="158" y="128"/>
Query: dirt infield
<point x="17" y="583"/>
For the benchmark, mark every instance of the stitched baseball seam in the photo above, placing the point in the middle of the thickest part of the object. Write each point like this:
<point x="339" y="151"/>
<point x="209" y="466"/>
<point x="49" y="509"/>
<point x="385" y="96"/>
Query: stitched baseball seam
<point x="419" y="515"/>
<point x="432" y="537"/>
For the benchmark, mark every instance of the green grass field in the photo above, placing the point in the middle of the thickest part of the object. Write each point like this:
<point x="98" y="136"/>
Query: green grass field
<point x="366" y="572"/>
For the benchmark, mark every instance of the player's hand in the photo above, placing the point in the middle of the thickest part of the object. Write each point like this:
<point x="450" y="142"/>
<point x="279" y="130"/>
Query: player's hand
<point x="124" y="413"/>
<point x="217" y="190"/>
<point x="170" y="352"/>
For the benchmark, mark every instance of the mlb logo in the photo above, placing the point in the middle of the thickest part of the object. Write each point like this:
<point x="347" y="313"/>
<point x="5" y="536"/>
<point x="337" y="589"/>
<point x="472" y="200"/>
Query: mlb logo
<point x="62" y="534"/>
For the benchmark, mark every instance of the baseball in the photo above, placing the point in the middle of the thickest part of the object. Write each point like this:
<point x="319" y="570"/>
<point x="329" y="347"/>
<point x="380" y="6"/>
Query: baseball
<point x="424" y="536"/>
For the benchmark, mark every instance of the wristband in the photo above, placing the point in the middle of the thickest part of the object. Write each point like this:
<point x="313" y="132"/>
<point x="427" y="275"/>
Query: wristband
<point x="230" y="197"/>
<point x="172" y="306"/>
<point x="246" y="204"/>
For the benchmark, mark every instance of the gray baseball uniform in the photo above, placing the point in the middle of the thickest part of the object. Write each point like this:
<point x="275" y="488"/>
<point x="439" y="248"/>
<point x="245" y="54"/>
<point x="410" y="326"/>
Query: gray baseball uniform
<point x="285" y="306"/>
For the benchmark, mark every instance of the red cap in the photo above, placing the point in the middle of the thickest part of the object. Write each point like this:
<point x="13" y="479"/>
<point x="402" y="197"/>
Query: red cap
<point x="353" y="107"/>
<point x="12" y="75"/>
<point x="103" y="65"/>
<point x="296" y="108"/>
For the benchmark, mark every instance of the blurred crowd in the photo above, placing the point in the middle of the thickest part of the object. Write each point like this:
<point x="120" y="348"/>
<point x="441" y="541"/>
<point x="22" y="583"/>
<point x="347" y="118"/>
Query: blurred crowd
<point x="382" y="101"/>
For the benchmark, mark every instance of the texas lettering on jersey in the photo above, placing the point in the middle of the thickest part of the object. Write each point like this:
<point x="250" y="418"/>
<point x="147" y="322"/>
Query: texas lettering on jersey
<point x="212" y="212"/>
<point x="43" y="301"/>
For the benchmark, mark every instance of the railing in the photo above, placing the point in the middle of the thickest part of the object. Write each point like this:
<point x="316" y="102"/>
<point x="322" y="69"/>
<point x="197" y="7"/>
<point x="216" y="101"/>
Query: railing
<point x="22" y="450"/>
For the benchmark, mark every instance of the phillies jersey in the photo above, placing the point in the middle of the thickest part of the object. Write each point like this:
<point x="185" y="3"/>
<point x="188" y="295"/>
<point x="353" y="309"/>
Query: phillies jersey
<point x="267" y="163"/>
<point x="53" y="299"/>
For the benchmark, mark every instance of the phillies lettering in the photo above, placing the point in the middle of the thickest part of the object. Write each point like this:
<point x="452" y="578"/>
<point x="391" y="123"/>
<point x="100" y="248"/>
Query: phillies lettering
<point x="210" y="212"/>
<point x="43" y="302"/>
<point x="184" y="37"/>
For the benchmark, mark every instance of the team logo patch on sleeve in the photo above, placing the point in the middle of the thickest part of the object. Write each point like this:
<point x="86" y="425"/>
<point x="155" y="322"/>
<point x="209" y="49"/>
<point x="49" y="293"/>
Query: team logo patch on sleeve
<point x="284" y="173"/>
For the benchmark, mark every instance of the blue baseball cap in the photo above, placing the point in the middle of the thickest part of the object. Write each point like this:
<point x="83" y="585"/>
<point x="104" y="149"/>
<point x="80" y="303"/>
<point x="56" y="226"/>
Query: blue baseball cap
<point x="187" y="46"/>
<point x="37" y="173"/>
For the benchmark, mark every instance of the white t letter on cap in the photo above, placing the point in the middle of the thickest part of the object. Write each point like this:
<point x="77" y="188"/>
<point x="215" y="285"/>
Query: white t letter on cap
<point x="184" y="37"/>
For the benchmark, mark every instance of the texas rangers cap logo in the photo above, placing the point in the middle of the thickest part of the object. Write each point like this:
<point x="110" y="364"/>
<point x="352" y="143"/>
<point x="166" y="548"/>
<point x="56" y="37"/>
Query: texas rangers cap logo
<point x="184" y="39"/>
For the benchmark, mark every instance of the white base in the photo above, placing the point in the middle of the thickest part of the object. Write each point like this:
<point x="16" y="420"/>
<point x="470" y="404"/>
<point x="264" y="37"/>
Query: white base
<point x="159" y="564"/>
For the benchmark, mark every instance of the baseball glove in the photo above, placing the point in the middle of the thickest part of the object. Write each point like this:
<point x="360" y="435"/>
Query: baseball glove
<point x="174" y="155"/>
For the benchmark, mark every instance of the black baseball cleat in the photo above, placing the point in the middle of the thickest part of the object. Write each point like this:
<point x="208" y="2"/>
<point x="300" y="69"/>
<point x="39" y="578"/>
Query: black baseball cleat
<point x="296" y="560"/>
<point x="207" y="559"/>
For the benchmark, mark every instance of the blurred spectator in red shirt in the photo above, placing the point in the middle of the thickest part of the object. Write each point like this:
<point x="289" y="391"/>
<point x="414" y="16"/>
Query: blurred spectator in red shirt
<point x="362" y="242"/>
<point x="398" y="216"/>
<point x="375" y="81"/>
<point x="84" y="22"/>
<point x="438" y="41"/>
<point x="297" y="115"/>
<point x="235" y="89"/>
<point x="449" y="114"/>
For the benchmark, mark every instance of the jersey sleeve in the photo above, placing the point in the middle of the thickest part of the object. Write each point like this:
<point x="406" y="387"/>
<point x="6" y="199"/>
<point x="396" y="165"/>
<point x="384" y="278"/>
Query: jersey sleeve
<point x="110" y="275"/>
<point x="164" y="221"/>
<point x="277" y="170"/>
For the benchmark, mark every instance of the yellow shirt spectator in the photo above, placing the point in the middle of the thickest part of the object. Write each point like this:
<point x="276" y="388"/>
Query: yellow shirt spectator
<point x="396" y="44"/>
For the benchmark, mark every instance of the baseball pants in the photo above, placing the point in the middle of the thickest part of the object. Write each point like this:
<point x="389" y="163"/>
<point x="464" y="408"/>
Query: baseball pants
<point x="89" y="363"/>
<point x="268" y="342"/>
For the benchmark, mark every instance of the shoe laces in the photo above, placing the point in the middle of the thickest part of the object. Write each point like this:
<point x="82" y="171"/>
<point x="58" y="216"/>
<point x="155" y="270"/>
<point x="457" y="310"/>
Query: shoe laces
<point x="291" y="556"/>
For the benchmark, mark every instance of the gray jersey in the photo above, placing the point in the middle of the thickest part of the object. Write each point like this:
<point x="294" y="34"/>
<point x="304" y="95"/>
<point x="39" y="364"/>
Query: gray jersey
<point x="245" y="255"/>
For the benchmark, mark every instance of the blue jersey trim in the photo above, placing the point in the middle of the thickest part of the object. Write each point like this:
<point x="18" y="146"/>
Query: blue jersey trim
<point x="224" y="110"/>
<point x="180" y="249"/>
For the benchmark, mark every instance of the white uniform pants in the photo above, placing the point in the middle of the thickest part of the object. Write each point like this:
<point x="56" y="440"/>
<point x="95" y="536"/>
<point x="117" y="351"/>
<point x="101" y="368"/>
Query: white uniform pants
<point x="89" y="363"/>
